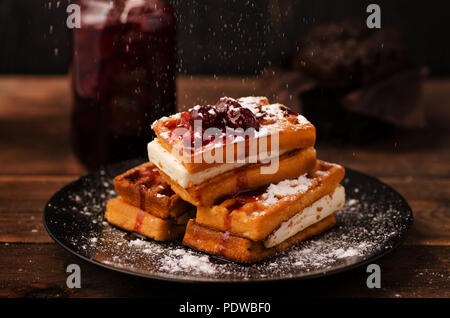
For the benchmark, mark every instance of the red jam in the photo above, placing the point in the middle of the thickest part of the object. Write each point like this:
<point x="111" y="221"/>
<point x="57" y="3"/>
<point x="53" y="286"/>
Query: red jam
<point x="123" y="77"/>
<point x="139" y="220"/>
<point x="242" y="200"/>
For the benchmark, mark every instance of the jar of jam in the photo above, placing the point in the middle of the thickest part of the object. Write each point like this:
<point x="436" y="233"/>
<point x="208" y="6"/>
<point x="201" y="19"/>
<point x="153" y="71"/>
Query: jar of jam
<point x="123" y="77"/>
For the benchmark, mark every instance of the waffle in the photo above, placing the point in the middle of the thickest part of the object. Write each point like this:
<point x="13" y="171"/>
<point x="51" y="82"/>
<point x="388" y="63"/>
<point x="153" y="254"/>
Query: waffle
<point x="257" y="214"/>
<point x="207" y="193"/>
<point x="257" y="224"/>
<point x="294" y="131"/>
<point x="241" y="249"/>
<point x="144" y="187"/>
<point x="131" y="218"/>
<point x="147" y="205"/>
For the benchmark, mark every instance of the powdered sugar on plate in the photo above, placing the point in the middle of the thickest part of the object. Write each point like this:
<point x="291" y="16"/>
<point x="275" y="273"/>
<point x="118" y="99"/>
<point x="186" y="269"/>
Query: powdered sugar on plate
<point x="180" y="260"/>
<point x="373" y="221"/>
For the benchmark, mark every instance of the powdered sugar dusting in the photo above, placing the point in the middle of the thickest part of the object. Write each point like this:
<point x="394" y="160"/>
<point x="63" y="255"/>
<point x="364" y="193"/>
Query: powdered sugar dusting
<point x="258" y="105"/>
<point x="372" y="220"/>
<point x="286" y="188"/>
<point x="180" y="260"/>
<point x="322" y="173"/>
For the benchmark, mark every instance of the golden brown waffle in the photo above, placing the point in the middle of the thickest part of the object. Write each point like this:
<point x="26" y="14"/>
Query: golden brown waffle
<point x="256" y="214"/>
<point x="143" y="187"/>
<point x="131" y="218"/>
<point x="244" y="250"/>
<point x="207" y="193"/>
<point x="295" y="132"/>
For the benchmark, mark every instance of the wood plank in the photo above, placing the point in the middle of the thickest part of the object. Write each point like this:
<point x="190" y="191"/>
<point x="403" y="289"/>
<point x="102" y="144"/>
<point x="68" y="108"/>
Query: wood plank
<point x="36" y="132"/>
<point x="25" y="226"/>
<point x="431" y="223"/>
<point x="412" y="188"/>
<point x="37" y="160"/>
<point x="22" y="192"/>
<point x="38" y="110"/>
<point x="37" y="146"/>
<point x="38" y="270"/>
<point x="433" y="163"/>
<point x="37" y="129"/>
<point x="22" y="200"/>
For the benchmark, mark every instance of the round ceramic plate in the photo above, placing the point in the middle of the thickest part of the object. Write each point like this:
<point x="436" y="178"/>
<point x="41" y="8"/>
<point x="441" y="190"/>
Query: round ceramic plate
<point x="373" y="222"/>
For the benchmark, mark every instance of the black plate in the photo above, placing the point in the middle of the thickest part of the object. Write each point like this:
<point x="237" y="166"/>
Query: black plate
<point x="373" y="222"/>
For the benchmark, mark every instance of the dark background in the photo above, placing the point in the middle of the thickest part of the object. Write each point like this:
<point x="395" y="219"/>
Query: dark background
<point x="225" y="37"/>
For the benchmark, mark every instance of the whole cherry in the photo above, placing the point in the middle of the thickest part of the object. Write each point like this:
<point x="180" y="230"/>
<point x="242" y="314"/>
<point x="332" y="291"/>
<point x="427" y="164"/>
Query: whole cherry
<point x="206" y="114"/>
<point x="234" y="115"/>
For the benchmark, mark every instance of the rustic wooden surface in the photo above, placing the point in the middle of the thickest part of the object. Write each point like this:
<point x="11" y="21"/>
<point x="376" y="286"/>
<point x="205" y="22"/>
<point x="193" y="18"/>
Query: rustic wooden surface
<point x="36" y="160"/>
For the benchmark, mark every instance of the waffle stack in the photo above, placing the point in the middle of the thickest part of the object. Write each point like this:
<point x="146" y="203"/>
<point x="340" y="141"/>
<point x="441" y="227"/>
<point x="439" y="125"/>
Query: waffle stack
<point x="244" y="214"/>
<point x="250" y="169"/>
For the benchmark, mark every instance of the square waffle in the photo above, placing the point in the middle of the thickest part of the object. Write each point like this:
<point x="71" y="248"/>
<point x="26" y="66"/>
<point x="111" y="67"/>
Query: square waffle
<point x="143" y="187"/>
<point x="131" y="218"/>
<point x="257" y="214"/>
<point x="241" y="249"/>
<point x="147" y="205"/>
<point x="207" y="193"/>
<point x="293" y="130"/>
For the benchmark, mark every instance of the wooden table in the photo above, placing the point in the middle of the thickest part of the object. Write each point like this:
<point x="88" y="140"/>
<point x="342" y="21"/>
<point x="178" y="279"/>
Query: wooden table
<point x="36" y="160"/>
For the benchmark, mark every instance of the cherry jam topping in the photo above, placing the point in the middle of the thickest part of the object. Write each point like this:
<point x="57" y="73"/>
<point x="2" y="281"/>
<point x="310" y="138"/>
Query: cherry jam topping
<point x="240" y="202"/>
<point x="207" y="115"/>
<point x="225" y="103"/>
<point x="236" y="116"/>
<point x="241" y="118"/>
<point x="287" y="111"/>
<point x="227" y="113"/>
<point x="183" y="121"/>
<point x="244" y="197"/>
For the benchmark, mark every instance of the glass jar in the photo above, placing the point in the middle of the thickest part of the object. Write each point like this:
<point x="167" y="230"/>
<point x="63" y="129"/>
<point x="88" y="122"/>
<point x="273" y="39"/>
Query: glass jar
<point x="123" y="77"/>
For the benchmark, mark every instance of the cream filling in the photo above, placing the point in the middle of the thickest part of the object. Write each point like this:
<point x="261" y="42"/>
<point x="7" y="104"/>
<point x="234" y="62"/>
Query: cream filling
<point x="174" y="168"/>
<point x="316" y="212"/>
